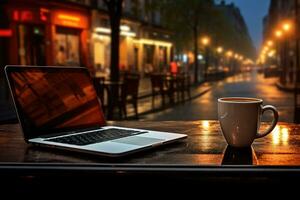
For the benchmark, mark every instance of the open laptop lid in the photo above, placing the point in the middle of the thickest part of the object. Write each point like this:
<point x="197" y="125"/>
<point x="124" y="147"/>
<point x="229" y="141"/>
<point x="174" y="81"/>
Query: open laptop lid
<point x="51" y="100"/>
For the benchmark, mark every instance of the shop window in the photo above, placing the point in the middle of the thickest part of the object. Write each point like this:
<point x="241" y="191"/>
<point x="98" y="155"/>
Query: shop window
<point x="148" y="58"/>
<point x="31" y="40"/>
<point x="67" y="47"/>
<point x="163" y="56"/>
<point x="101" y="45"/>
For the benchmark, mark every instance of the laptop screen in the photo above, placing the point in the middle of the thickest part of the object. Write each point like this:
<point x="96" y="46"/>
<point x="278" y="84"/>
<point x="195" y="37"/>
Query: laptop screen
<point x="54" y="99"/>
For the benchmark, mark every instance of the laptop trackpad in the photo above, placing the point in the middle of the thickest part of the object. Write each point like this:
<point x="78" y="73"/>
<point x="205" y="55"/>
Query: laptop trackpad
<point x="138" y="140"/>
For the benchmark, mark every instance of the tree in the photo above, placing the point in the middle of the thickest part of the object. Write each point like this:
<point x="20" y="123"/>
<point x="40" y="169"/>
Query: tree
<point x="193" y="19"/>
<point x="115" y="13"/>
<point x="185" y="19"/>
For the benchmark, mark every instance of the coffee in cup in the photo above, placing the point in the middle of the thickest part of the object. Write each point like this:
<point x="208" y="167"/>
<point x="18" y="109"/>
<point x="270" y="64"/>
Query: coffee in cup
<point x="240" y="119"/>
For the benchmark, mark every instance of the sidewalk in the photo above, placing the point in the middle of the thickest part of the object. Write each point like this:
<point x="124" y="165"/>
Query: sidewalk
<point x="145" y="87"/>
<point x="145" y="99"/>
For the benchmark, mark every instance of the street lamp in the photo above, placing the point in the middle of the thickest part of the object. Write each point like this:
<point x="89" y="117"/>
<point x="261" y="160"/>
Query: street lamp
<point x="206" y="41"/>
<point x="236" y="62"/>
<point x="229" y="55"/>
<point x="270" y="43"/>
<point x="263" y="59"/>
<point x="285" y="29"/>
<point x="236" y="56"/>
<point x="266" y="48"/>
<point x="218" y="57"/>
<point x="278" y="34"/>
<point x="286" y="26"/>
<point x="220" y="50"/>
<point x="271" y="53"/>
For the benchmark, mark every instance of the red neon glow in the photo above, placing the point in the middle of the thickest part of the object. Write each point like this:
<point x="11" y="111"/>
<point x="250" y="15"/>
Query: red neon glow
<point x="5" y="32"/>
<point x="43" y="18"/>
<point x="16" y="15"/>
<point x="44" y="14"/>
<point x="174" y="68"/>
<point x="26" y="15"/>
<point x="22" y="15"/>
<point x="45" y="10"/>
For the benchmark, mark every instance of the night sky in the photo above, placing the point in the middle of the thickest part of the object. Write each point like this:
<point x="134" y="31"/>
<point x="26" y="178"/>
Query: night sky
<point x="253" y="12"/>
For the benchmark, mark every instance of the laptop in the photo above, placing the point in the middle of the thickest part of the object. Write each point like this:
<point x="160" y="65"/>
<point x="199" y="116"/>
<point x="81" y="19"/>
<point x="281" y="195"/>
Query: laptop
<point x="58" y="107"/>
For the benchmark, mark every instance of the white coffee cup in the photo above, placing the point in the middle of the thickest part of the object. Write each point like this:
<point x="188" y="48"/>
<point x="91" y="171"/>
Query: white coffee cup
<point x="240" y="117"/>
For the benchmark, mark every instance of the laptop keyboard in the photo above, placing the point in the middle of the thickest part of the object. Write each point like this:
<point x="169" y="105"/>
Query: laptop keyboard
<point x="95" y="137"/>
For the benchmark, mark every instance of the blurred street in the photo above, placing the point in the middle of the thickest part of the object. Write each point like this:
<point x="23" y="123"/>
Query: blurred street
<point x="171" y="69"/>
<point x="203" y="103"/>
<point x="249" y="84"/>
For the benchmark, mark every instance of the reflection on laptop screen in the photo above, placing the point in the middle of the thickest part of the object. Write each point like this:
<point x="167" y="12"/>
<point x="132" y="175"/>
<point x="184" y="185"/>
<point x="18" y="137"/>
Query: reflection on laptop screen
<point x="52" y="100"/>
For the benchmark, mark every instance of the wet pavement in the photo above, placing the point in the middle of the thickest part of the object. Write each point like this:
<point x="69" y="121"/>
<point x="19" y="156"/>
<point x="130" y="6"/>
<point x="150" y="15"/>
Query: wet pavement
<point x="249" y="84"/>
<point x="203" y="105"/>
<point x="145" y="106"/>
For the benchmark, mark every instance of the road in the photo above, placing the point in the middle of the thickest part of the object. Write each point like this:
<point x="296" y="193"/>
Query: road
<point x="249" y="84"/>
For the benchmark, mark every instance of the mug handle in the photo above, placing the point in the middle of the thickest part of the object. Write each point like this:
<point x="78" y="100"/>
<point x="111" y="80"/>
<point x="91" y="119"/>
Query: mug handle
<point x="274" y="122"/>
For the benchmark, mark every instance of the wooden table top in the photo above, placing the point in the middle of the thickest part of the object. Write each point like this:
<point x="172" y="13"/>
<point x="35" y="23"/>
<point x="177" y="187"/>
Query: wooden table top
<point x="205" y="146"/>
<point x="202" y="160"/>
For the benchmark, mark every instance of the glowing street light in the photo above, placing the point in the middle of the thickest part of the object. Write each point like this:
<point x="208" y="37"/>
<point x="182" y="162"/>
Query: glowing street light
<point x="229" y="54"/>
<point x="266" y="48"/>
<point x="220" y="50"/>
<point x="286" y="26"/>
<point x="278" y="33"/>
<point x="271" y="53"/>
<point x="270" y="43"/>
<point x="205" y="41"/>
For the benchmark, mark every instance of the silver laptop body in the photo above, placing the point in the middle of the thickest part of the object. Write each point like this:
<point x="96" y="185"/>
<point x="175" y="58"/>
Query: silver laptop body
<point x="58" y="107"/>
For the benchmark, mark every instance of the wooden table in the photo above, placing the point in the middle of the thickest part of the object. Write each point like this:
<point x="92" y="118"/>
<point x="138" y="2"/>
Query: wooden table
<point x="203" y="156"/>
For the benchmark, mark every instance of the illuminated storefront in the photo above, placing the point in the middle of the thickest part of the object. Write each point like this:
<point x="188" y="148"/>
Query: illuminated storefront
<point x="155" y="55"/>
<point x="71" y="36"/>
<point x="47" y="33"/>
<point x="101" y="44"/>
<point x="138" y="51"/>
<point x="72" y="33"/>
<point x="28" y="41"/>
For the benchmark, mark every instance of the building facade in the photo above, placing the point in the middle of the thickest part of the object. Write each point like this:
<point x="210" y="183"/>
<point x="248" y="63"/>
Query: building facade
<point x="281" y="11"/>
<point x="48" y="32"/>
<point x="77" y="33"/>
<point x="239" y="41"/>
<point x="242" y="41"/>
<point x="145" y="46"/>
